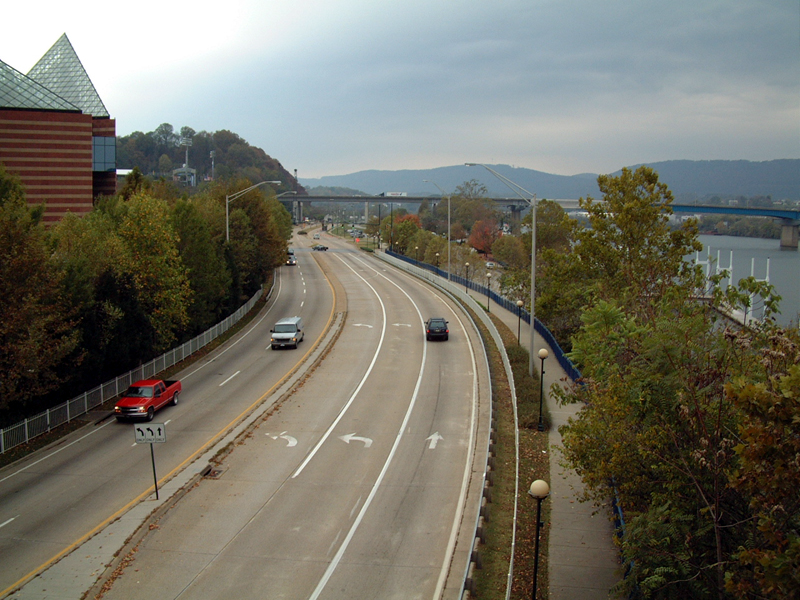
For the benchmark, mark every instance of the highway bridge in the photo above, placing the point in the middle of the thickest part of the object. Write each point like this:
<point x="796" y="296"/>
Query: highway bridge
<point x="789" y="218"/>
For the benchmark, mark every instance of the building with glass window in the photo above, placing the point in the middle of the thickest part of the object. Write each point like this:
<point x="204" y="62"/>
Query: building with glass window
<point x="56" y="134"/>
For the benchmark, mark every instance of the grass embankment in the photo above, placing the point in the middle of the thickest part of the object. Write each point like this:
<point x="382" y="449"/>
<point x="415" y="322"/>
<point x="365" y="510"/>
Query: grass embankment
<point x="491" y="581"/>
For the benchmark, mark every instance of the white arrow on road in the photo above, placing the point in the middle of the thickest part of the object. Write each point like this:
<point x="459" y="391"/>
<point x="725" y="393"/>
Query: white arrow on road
<point x="402" y="324"/>
<point x="291" y="441"/>
<point x="362" y="325"/>
<point x="353" y="436"/>
<point x="434" y="439"/>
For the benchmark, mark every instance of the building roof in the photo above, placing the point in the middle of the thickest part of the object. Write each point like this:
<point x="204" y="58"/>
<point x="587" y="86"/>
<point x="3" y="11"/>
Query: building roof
<point x="20" y="91"/>
<point x="60" y="70"/>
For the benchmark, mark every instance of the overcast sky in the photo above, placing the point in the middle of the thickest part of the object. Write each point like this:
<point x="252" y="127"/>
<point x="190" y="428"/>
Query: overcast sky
<point x="331" y="87"/>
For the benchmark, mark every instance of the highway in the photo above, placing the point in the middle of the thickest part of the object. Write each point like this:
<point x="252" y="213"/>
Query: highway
<point x="353" y="486"/>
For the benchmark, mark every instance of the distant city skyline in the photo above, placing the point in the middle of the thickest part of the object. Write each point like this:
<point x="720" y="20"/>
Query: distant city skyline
<point x="562" y="87"/>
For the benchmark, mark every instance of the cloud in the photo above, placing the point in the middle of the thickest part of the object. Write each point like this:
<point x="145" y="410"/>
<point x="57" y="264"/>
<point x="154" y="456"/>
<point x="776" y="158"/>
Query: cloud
<point x="560" y="85"/>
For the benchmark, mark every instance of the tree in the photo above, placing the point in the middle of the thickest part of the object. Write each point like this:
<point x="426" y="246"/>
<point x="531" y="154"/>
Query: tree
<point x="208" y="275"/>
<point x="153" y="260"/>
<point x="37" y="334"/>
<point x="682" y="414"/>
<point x="484" y="234"/>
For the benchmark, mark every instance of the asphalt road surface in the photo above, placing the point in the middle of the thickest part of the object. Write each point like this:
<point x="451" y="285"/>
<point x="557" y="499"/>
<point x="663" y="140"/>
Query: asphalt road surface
<point x="352" y="487"/>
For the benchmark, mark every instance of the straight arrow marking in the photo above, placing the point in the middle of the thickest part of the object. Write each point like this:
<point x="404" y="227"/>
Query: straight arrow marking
<point x="434" y="439"/>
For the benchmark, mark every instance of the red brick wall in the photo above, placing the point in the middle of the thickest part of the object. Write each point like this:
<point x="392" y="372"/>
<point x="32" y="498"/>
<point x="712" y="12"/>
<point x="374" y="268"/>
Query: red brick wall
<point x="52" y="154"/>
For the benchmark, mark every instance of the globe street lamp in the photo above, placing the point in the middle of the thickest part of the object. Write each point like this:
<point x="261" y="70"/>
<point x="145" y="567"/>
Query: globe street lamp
<point x="538" y="490"/>
<point x="543" y="354"/>
<point x="466" y="281"/>
<point x="233" y="197"/>
<point x="488" y="289"/>
<point x="437" y="261"/>
<point x="532" y="201"/>
<point x="416" y="249"/>
<point x="448" y="224"/>
<point x="519" y="319"/>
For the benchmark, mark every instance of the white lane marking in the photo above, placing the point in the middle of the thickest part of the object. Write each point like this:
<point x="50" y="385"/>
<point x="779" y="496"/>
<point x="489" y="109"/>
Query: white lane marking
<point x="465" y="478"/>
<point x="362" y="325"/>
<point x="229" y="378"/>
<point x="244" y="335"/>
<point x="7" y="522"/>
<point x="26" y="467"/>
<point x="352" y="398"/>
<point x="398" y="438"/>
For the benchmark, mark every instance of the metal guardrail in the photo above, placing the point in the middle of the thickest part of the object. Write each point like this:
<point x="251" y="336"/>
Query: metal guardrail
<point x="24" y="431"/>
<point x="510" y="306"/>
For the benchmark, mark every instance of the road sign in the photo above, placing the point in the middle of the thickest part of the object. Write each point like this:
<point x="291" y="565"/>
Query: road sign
<point x="150" y="433"/>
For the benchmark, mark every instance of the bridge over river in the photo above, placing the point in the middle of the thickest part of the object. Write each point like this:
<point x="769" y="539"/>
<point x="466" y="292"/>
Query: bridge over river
<point x="789" y="218"/>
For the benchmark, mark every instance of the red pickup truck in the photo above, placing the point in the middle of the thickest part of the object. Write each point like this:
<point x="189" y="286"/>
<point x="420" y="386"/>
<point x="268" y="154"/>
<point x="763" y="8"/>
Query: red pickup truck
<point x="144" y="398"/>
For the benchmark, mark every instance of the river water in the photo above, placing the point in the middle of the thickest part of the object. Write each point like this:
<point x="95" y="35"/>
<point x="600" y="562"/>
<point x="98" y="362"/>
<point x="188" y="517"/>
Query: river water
<point x="754" y="254"/>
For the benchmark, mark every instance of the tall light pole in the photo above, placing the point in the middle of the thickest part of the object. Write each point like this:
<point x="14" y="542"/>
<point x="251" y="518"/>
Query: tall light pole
<point x="538" y="490"/>
<point x="466" y="283"/>
<point x="230" y="197"/>
<point x="448" y="224"/>
<point x="532" y="201"/>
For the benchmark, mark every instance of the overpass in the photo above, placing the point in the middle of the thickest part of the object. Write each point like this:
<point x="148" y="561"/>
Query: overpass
<point x="790" y="219"/>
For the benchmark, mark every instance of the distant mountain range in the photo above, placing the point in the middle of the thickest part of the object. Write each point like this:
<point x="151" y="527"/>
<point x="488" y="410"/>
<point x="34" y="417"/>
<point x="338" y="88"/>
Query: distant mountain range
<point x="687" y="179"/>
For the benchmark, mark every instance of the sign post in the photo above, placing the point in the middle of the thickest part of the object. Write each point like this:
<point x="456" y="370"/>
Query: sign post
<point x="154" y="433"/>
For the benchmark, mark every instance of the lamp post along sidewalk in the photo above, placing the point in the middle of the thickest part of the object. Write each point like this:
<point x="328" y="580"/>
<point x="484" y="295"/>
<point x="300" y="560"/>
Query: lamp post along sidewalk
<point x="532" y="201"/>
<point x="539" y="490"/>
<point x="231" y="197"/>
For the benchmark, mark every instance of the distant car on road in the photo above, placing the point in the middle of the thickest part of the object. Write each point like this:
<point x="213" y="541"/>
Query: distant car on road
<point x="291" y="260"/>
<point x="436" y="329"/>
<point x="316" y="236"/>
<point x="319" y="248"/>
<point x="490" y="265"/>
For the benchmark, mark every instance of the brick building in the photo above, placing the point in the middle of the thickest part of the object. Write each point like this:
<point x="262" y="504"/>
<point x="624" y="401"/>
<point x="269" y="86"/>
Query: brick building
<point x="56" y="134"/>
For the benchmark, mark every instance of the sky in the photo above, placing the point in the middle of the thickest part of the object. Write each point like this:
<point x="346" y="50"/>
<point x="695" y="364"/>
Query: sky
<point x="332" y="87"/>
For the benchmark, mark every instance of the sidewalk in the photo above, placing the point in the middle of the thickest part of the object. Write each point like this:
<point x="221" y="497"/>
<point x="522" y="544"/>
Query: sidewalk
<point x="582" y="557"/>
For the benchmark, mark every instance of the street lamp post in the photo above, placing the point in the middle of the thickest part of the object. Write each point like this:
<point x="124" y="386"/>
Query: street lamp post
<point x="448" y="224"/>
<point x="538" y="490"/>
<point x="437" y="262"/>
<point x="543" y="354"/>
<point x="488" y="289"/>
<point x="519" y="320"/>
<point x="532" y="200"/>
<point x="416" y="248"/>
<point x="466" y="282"/>
<point x="233" y="197"/>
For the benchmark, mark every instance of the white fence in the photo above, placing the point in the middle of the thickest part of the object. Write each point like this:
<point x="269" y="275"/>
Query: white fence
<point x="24" y="431"/>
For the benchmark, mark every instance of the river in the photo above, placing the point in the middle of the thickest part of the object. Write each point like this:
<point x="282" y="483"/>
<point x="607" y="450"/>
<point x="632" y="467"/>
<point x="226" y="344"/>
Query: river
<point x="754" y="253"/>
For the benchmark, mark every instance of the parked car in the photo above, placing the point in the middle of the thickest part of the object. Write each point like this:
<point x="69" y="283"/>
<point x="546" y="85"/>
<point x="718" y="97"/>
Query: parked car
<point x="319" y="248"/>
<point x="436" y="329"/>
<point x="142" y="399"/>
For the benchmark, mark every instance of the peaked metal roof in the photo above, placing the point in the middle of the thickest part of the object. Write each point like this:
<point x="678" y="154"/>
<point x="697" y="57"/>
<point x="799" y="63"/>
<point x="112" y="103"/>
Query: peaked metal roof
<point x="60" y="70"/>
<point x="20" y="91"/>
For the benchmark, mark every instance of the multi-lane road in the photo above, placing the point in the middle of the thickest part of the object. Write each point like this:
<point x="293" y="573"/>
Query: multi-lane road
<point x="352" y="486"/>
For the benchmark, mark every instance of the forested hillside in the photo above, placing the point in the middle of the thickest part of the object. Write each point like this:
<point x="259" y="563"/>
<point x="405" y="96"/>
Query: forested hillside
<point x="92" y="297"/>
<point x="158" y="152"/>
